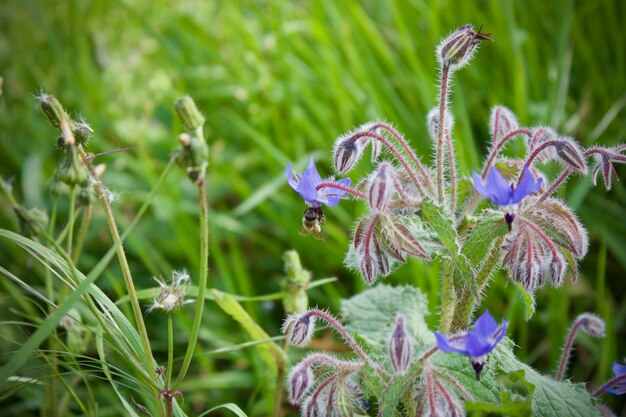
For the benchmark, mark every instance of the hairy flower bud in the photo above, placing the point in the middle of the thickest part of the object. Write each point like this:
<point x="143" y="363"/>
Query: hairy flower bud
<point x="591" y="324"/>
<point x="400" y="347"/>
<point x="70" y="171"/>
<point x="299" y="381"/>
<point x="189" y="115"/>
<point x="299" y="328"/>
<point x="502" y="122"/>
<point x="380" y="187"/>
<point x="432" y="122"/>
<point x="458" y="48"/>
<point x="53" y="109"/>
<point x="346" y="154"/>
<point x="571" y="155"/>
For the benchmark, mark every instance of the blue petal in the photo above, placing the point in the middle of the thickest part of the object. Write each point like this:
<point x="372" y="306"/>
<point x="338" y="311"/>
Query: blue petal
<point x="290" y="177"/>
<point x="479" y="184"/>
<point x="477" y="346"/>
<point x="444" y="345"/>
<point x="618" y="369"/>
<point x="527" y="185"/>
<point x="311" y="173"/>
<point x="500" y="332"/>
<point x="485" y="326"/>
<point x="499" y="190"/>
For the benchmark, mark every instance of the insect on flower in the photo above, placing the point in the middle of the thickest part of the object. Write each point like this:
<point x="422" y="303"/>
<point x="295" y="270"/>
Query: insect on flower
<point x="504" y="194"/>
<point x="315" y="192"/>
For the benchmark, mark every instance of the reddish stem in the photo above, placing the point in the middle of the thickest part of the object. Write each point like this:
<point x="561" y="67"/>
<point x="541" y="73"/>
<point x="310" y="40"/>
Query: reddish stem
<point x="567" y="350"/>
<point x="329" y="184"/>
<point x="408" y="149"/>
<point x="395" y="153"/>
<point x="608" y="384"/>
<point x="496" y="149"/>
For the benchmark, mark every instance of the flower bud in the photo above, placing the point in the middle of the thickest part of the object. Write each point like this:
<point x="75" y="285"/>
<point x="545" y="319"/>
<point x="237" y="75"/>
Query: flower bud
<point x="591" y="324"/>
<point x="400" y="347"/>
<point x="380" y="187"/>
<point x="432" y="121"/>
<point x="189" y="115"/>
<point x="570" y="153"/>
<point x="457" y="49"/>
<point x="299" y="329"/>
<point x="347" y="152"/>
<point x="502" y="122"/>
<point x="299" y="381"/>
<point x="53" y="109"/>
<point x="82" y="131"/>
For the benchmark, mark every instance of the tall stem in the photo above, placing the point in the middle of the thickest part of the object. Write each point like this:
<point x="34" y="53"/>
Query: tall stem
<point x="121" y="256"/>
<point x="72" y="215"/>
<point x="202" y="281"/>
<point x="82" y="232"/>
<point x="452" y="165"/>
<point x="567" y="350"/>
<point x="170" y="350"/>
<point x="448" y="298"/>
<point x="443" y="101"/>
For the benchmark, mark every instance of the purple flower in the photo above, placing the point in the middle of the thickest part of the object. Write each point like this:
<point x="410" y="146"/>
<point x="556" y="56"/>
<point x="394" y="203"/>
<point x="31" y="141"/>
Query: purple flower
<point x="306" y="185"/>
<point x="476" y="344"/>
<point x="618" y="388"/>
<point x="502" y="193"/>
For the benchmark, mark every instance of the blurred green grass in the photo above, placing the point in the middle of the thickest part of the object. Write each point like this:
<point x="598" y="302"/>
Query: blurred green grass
<point x="279" y="81"/>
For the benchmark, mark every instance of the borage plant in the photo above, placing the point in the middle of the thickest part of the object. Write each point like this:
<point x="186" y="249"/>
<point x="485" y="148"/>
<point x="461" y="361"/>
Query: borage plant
<point x="504" y="216"/>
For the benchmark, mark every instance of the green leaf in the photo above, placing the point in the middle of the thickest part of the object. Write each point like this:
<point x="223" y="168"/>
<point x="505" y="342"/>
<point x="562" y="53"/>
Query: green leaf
<point x="270" y="353"/>
<point x="371" y="315"/>
<point x="489" y="227"/>
<point x="234" y="408"/>
<point x="511" y="404"/>
<point x="550" y="398"/>
<point x="446" y="230"/>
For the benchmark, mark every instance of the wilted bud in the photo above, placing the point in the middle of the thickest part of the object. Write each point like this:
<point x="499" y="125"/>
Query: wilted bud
<point x="32" y="222"/>
<point x="502" y="122"/>
<point x="189" y="115"/>
<point x="400" y="347"/>
<point x="432" y="121"/>
<point x="380" y="187"/>
<point x="346" y="154"/>
<point x="591" y="324"/>
<point x="299" y="381"/>
<point x="457" y="49"/>
<point x="299" y="328"/>
<point x="53" y="109"/>
<point x="570" y="153"/>
<point x="172" y="295"/>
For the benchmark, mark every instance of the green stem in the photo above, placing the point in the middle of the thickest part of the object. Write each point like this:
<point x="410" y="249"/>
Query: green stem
<point x="278" y="401"/>
<point x="443" y="101"/>
<point x="72" y="217"/>
<point x="448" y="298"/>
<point x="121" y="256"/>
<point x="82" y="232"/>
<point x="202" y="281"/>
<point x="170" y="350"/>
<point x="466" y="303"/>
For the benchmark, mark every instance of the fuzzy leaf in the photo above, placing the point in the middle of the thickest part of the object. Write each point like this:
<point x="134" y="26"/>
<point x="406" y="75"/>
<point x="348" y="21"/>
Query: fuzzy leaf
<point x="550" y="398"/>
<point x="529" y="301"/>
<point x="372" y="315"/>
<point x="445" y="229"/>
<point x="511" y="404"/>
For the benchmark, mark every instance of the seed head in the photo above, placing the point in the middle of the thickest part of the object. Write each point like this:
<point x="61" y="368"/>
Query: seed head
<point x="172" y="295"/>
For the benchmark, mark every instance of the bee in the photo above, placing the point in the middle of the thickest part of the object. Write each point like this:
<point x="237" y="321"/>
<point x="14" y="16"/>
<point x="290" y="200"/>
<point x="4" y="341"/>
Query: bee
<point x="312" y="220"/>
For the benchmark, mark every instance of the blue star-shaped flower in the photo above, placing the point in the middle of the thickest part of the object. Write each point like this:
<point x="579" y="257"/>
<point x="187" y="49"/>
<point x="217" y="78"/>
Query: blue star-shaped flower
<point x="306" y="185"/>
<point x="620" y="387"/>
<point x="476" y="344"/>
<point x="502" y="193"/>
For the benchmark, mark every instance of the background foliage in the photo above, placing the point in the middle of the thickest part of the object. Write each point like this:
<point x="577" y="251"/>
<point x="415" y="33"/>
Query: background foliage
<point x="278" y="81"/>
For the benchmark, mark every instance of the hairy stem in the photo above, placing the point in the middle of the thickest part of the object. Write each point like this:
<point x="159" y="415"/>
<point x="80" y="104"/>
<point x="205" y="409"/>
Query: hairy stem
<point x="347" y="189"/>
<point x="409" y="151"/>
<point x="609" y="383"/>
<point x="498" y="147"/>
<point x="443" y="101"/>
<point x="567" y="350"/>
<point x="170" y="350"/>
<point x="452" y="165"/>
<point x="202" y="280"/>
<point x="448" y="298"/>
